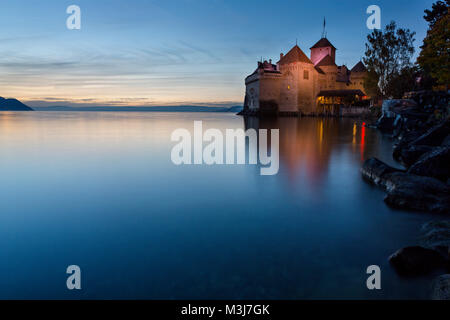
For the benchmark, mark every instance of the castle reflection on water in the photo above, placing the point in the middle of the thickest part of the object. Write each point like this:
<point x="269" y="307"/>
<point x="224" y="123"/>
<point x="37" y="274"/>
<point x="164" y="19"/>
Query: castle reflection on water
<point x="308" y="144"/>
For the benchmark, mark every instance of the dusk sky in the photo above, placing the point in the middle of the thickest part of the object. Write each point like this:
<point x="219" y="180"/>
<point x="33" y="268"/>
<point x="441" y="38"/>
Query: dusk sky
<point x="142" y="52"/>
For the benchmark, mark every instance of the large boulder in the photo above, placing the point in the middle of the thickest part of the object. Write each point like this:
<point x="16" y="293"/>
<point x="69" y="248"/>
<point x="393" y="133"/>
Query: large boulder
<point x="398" y="115"/>
<point x="407" y="191"/>
<point x="385" y="124"/>
<point x="436" y="235"/>
<point x="391" y="108"/>
<point x="410" y="154"/>
<point x="416" y="261"/>
<point x="405" y="141"/>
<point x="374" y="171"/>
<point x="434" y="136"/>
<point x="412" y="192"/>
<point x="441" y="288"/>
<point x="435" y="163"/>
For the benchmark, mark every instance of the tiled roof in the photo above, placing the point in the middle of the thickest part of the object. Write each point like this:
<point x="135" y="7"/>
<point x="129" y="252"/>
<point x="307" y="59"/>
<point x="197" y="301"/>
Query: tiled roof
<point x="319" y="70"/>
<point x="359" y="67"/>
<point x="326" y="61"/>
<point x="295" y="55"/>
<point x="322" y="43"/>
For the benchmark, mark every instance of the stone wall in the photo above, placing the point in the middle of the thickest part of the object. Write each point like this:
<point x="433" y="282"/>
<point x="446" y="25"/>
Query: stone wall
<point x="298" y="88"/>
<point x="357" y="81"/>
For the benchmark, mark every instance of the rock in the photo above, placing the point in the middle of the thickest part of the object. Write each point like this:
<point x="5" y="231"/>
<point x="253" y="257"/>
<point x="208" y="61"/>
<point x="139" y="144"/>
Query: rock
<point x="410" y="154"/>
<point x="435" y="163"/>
<point x="446" y="141"/>
<point x="436" y="234"/>
<point x="412" y="192"/>
<point x="392" y="107"/>
<point x="385" y="124"/>
<point x="373" y="170"/>
<point x="407" y="191"/>
<point x="405" y="142"/>
<point x="435" y="135"/>
<point x="416" y="261"/>
<point x="400" y="115"/>
<point x="441" y="288"/>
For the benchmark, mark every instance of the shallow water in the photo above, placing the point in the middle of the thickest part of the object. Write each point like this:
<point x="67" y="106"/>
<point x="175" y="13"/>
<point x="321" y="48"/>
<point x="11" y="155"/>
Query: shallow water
<point x="99" y="190"/>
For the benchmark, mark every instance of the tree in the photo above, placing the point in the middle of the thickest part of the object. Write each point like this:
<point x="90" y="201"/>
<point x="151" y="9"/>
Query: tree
<point x="439" y="10"/>
<point x="371" y="84"/>
<point x="403" y="82"/>
<point x="435" y="55"/>
<point x="387" y="53"/>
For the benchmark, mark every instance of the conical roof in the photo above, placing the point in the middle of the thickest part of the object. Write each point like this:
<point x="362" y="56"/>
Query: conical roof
<point x="359" y="67"/>
<point x="322" y="43"/>
<point x="295" y="55"/>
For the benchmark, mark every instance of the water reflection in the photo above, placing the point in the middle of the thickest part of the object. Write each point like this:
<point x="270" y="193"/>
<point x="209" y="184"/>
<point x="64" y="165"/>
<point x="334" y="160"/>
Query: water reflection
<point x="99" y="190"/>
<point x="307" y="145"/>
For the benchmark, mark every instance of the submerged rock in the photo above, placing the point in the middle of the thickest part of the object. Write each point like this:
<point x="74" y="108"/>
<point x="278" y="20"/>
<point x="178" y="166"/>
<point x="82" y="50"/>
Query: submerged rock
<point x="416" y="261"/>
<point x="441" y="288"/>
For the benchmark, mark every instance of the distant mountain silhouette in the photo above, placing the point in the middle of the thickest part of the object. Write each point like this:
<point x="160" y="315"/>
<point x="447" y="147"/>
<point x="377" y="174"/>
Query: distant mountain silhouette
<point x="13" y="105"/>
<point x="234" y="109"/>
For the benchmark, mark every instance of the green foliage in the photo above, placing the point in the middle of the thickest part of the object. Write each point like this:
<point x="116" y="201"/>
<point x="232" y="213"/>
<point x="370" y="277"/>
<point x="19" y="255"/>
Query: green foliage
<point x="435" y="55"/>
<point x="388" y="53"/>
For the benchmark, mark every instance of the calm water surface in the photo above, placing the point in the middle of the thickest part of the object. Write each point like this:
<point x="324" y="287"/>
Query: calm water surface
<point x="99" y="190"/>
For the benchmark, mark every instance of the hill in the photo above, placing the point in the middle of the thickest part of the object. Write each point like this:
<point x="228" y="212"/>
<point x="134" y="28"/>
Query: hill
<point x="13" y="105"/>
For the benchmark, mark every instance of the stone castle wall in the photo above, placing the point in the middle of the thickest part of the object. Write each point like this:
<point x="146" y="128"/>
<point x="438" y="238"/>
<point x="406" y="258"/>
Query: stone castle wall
<point x="293" y="87"/>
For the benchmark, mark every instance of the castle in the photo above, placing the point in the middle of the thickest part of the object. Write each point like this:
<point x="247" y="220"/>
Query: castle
<point x="297" y="84"/>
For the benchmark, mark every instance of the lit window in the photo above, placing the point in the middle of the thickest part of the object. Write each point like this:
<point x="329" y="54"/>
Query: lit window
<point x="289" y="87"/>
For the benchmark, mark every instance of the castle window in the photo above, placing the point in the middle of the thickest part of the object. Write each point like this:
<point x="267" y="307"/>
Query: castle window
<point x="305" y="74"/>
<point x="289" y="87"/>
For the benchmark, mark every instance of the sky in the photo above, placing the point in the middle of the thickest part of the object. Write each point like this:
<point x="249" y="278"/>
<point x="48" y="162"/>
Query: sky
<point x="144" y="52"/>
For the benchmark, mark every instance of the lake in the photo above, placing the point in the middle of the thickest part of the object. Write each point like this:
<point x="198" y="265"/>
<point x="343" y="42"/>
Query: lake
<point x="99" y="190"/>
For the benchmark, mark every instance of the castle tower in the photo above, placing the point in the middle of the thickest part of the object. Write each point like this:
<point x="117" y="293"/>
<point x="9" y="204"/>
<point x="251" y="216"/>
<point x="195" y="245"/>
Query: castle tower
<point x="297" y="88"/>
<point x="321" y="49"/>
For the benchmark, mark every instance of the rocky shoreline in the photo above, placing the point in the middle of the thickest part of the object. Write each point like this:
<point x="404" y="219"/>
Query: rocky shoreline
<point x="421" y="126"/>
